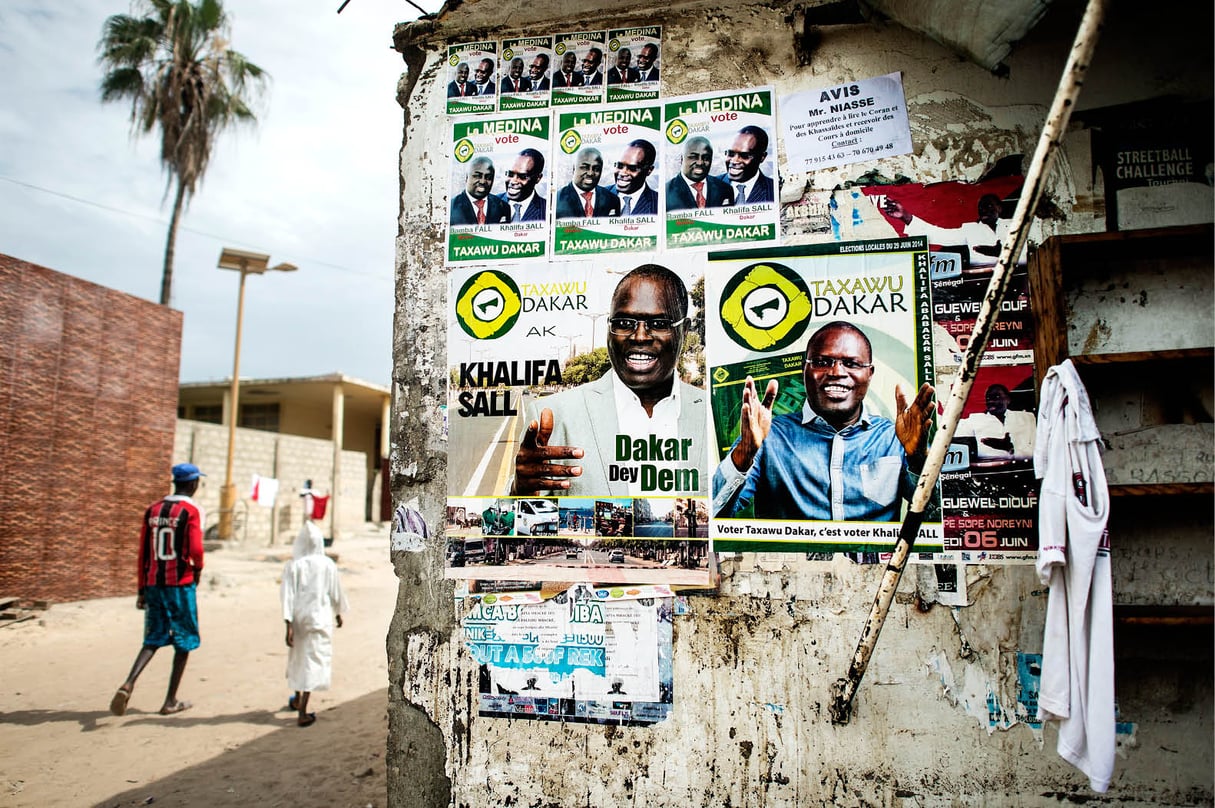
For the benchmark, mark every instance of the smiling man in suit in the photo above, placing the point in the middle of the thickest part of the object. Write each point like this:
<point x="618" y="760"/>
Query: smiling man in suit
<point x="521" y="178"/>
<point x="743" y="158"/>
<point x="568" y="75"/>
<point x="584" y="197"/>
<point x="694" y="188"/>
<point x="635" y="164"/>
<point x="537" y="72"/>
<point x="639" y="399"/>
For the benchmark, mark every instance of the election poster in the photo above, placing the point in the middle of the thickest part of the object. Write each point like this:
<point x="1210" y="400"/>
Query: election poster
<point x="636" y="61"/>
<point x="578" y="657"/>
<point x="499" y="189"/>
<point x="720" y="158"/>
<point x="471" y="70"/>
<point x="607" y="200"/>
<point x="849" y="123"/>
<point x="525" y="66"/>
<point x="577" y="447"/>
<point x="579" y="74"/>
<point x="833" y="340"/>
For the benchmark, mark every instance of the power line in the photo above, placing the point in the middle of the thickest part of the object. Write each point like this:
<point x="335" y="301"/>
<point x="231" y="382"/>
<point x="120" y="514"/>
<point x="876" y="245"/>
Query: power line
<point x="163" y="222"/>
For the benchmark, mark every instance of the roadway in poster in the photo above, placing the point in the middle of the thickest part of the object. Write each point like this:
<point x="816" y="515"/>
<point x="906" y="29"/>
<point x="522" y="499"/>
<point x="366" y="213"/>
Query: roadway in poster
<point x="533" y="343"/>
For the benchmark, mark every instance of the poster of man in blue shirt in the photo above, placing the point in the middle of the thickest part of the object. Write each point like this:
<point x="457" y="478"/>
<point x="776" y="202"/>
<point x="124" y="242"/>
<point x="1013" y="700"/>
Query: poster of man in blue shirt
<point x="835" y="459"/>
<point x="821" y="390"/>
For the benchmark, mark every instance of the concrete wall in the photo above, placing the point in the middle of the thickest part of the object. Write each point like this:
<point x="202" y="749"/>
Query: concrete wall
<point x="289" y="458"/>
<point x="88" y="395"/>
<point x="754" y="664"/>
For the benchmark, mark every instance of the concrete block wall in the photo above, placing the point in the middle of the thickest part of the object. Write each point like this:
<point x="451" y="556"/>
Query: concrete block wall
<point x="290" y="459"/>
<point x="88" y="402"/>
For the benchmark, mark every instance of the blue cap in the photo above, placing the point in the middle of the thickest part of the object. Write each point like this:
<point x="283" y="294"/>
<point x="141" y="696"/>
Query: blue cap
<point x="185" y="472"/>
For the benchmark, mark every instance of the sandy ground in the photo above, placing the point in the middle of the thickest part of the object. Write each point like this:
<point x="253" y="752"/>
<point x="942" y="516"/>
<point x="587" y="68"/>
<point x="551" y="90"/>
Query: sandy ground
<point x="238" y="745"/>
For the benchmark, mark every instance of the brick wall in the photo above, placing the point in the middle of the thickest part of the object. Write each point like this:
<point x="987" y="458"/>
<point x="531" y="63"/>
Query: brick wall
<point x="290" y="459"/>
<point x="88" y="404"/>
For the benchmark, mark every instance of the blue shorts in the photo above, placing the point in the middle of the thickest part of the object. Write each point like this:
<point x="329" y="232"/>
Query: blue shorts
<point x="170" y="617"/>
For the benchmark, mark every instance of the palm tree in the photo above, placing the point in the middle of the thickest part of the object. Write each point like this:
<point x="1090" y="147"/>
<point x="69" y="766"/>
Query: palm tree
<point x="174" y="66"/>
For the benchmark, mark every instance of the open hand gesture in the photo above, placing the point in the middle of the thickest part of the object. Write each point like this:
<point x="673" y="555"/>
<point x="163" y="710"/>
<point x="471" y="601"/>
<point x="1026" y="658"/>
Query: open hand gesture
<point x="911" y="422"/>
<point x="754" y="423"/>
<point x="534" y="469"/>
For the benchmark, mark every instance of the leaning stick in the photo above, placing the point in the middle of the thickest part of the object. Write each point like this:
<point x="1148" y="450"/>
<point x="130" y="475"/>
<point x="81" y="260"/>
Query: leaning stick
<point x="843" y="690"/>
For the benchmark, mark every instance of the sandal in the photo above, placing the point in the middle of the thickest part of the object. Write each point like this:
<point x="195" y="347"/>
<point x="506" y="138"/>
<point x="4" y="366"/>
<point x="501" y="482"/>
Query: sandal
<point x="307" y="720"/>
<point x="118" y="704"/>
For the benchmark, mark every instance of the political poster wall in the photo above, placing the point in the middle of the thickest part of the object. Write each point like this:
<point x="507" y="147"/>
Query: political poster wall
<point x="581" y="656"/>
<point x="720" y="158"/>
<point x="607" y="161"/>
<point x="636" y="64"/>
<point x="472" y="68"/>
<point x="499" y="189"/>
<point x="835" y="340"/>
<point x="525" y="65"/>
<point x="577" y="447"/>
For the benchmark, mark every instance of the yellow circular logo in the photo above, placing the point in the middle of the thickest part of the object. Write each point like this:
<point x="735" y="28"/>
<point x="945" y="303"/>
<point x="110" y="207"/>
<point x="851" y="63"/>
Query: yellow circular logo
<point x="614" y="45"/>
<point x="464" y="150"/>
<point x="508" y="54"/>
<point x="560" y="49"/>
<point x="677" y="130"/>
<point x="765" y="307"/>
<point x="454" y="59"/>
<point x="488" y="305"/>
<point x="570" y="141"/>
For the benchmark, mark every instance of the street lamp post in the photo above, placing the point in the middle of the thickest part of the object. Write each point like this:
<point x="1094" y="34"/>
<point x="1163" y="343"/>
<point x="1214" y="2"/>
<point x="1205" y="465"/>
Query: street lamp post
<point x="245" y="263"/>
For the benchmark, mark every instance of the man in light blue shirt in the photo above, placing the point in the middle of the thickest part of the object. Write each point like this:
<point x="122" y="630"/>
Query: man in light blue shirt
<point x="835" y="460"/>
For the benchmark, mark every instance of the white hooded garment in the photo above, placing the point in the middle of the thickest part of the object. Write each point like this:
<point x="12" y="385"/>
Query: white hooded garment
<point x="312" y="595"/>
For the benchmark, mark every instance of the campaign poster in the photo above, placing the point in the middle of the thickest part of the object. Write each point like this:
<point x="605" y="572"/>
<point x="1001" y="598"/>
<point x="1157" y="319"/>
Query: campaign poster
<point x="829" y="337"/>
<point x="577" y="447"/>
<point x="636" y="59"/>
<point x="720" y="160"/>
<point x="471" y="72"/>
<point x="579" y="75"/>
<point x="525" y="68"/>
<point x="499" y="189"/>
<point x="576" y="657"/>
<point x="608" y="199"/>
<point x="849" y="123"/>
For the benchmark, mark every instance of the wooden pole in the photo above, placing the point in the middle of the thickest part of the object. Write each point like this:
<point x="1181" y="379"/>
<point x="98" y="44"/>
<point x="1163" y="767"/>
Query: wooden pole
<point x="843" y="690"/>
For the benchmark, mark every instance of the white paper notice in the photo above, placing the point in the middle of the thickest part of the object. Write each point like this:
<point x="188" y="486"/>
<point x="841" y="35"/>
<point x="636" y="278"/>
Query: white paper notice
<point x="851" y="123"/>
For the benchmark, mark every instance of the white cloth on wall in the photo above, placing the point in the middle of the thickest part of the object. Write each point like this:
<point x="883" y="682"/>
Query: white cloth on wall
<point x="311" y="595"/>
<point x="1077" y="688"/>
<point x="265" y="490"/>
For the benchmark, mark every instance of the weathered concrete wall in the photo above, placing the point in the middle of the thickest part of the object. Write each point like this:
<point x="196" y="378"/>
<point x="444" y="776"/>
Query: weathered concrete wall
<point x="936" y="721"/>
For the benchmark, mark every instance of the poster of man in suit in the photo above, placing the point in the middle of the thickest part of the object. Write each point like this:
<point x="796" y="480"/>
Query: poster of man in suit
<point x="465" y="65"/>
<point x="498" y="189"/>
<point x="609" y="156"/>
<point x="530" y="57"/>
<point x="720" y="160"/>
<point x="580" y="381"/>
<point x="639" y="80"/>
<point x="579" y="76"/>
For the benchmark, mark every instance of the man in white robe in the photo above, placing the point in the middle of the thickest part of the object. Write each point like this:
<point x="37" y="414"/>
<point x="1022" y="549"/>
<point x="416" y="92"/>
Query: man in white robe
<point x="313" y="603"/>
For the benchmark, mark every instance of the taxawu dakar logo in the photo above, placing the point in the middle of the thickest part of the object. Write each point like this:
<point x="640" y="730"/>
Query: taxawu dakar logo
<point x="570" y="141"/>
<point x="765" y="307"/>
<point x="488" y="305"/>
<point x="464" y="150"/>
<point x="508" y="54"/>
<point x="454" y="59"/>
<point x="677" y="130"/>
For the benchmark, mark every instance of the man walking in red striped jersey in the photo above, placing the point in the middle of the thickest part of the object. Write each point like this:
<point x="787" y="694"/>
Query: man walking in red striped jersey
<point x="170" y="567"/>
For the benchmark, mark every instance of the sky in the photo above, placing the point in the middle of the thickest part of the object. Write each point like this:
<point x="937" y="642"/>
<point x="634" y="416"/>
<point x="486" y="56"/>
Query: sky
<point x="313" y="184"/>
